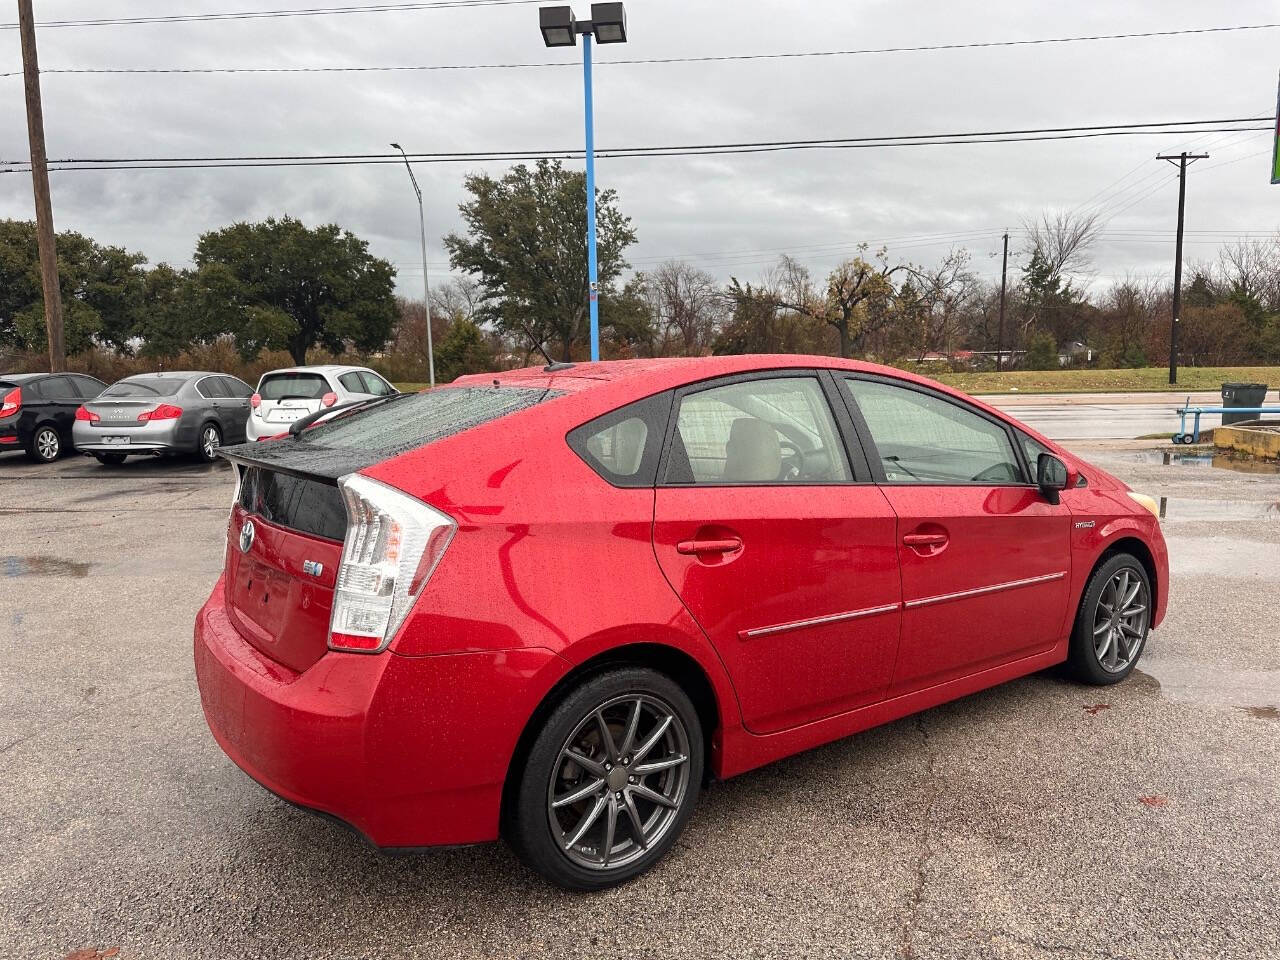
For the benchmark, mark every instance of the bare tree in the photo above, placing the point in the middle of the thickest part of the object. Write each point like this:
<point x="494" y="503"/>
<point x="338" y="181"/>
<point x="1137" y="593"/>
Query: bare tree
<point x="1063" y="240"/>
<point x="936" y="298"/>
<point x="1252" y="268"/>
<point x="687" y="307"/>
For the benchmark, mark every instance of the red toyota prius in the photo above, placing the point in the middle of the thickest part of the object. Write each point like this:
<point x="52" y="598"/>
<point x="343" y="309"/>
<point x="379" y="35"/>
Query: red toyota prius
<point x="549" y="604"/>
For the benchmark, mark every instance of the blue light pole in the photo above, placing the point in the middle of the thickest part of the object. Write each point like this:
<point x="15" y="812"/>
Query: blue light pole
<point x="608" y="24"/>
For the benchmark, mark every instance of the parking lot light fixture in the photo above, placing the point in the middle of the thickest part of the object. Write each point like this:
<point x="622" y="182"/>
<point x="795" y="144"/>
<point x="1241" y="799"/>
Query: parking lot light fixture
<point x="557" y="26"/>
<point x="608" y="24"/>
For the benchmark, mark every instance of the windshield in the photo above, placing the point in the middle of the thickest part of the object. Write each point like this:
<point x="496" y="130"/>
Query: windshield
<point x="293" y="386"/>
<point x="145" y="387"/>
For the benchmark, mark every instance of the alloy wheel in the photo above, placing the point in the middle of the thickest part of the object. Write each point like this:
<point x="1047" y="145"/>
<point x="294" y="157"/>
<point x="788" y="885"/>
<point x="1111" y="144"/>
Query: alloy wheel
<point x="209" y="441"/>
<point x="618" y="782"/>
<point x="48" y="445"/>
<point x="1120" y="621"/>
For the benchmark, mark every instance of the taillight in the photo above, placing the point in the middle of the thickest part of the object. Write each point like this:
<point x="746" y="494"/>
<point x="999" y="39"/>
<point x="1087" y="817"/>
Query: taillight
<point x="11" y="403"/>
<point x="329" y="399"/>
<point x="166" y="411"/>
<point x="255" y="401"/>
<point x="393" y="544"/>
<point x="85" y="415"/>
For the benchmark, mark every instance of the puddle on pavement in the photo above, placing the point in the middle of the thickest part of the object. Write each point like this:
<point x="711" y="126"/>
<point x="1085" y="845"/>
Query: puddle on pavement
<point x="42" y="567"/>
<point x="1217" y="461"/>
<point x="1255" y="693"/>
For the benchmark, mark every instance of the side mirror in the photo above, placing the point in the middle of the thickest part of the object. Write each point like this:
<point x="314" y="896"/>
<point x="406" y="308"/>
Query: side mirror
<point x="1051" y="476"/>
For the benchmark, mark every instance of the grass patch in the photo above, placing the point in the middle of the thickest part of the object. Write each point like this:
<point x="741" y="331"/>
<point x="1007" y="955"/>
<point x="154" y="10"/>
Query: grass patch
<point x="1154" y="379"/>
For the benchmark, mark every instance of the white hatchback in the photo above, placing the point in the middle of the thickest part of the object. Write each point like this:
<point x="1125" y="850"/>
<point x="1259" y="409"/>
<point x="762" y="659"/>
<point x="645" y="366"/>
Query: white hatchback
<point x="284" y="396"/>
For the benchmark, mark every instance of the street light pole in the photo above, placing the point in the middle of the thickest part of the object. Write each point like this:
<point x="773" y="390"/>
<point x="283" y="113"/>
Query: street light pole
<point x="608" y="24"/>
<point x="426" y="276"/>
<point x="593" y="284"/>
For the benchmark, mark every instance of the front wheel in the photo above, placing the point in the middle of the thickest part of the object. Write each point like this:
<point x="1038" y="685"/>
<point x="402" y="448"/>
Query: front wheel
<point x="210" y="441"/>
<point x="610" y="781"/>
<point x="1112" y="623"/>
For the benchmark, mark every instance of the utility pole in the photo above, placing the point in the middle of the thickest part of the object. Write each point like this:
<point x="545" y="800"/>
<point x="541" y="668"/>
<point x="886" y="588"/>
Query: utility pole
<point x="40" y="177"/>
<point x="1182" y="160"/>
<point x="1004" y="276"/>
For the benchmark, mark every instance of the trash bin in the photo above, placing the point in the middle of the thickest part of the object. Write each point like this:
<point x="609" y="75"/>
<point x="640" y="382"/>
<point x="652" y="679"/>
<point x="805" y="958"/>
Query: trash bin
<point x="1242" y="395"/>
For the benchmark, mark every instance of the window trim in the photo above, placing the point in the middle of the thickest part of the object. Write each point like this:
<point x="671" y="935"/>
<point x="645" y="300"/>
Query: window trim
<point x="873" y="452"/>
<point x="712" y="383"/>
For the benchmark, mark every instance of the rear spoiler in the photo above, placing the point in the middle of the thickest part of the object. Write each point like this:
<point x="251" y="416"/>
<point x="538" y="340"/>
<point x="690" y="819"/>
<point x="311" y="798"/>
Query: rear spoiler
<point x="307" y="461"/>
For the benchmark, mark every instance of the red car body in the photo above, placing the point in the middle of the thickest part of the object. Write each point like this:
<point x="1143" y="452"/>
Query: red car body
<point x="822" y="624"/>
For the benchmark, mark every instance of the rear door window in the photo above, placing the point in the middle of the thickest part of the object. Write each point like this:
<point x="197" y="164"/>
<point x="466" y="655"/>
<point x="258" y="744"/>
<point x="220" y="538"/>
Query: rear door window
<point x="757" y="431"/>
<point x="58" y="389"/>
<point x="237" y="388"/>
<point x="211" y="388"/>
<point x="293" y="386"/>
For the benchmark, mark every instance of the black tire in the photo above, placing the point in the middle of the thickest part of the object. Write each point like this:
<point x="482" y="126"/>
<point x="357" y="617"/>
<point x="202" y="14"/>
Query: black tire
<point x="46" y="444"/>
<point x="1083" y="661"/>
<point x="529" y="822"/>
<point x="203" y="451"/>
<point x="110" y="459"/>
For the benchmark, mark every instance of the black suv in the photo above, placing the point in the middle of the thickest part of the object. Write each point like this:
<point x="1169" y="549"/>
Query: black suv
<point x="38" y="409"/>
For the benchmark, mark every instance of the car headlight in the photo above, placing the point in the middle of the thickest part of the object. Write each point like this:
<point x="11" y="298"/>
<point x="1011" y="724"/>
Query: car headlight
<point x="1149" y="503"/>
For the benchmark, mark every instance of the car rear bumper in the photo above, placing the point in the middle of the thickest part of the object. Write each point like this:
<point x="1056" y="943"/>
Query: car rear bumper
<point x="410" y="751"/>
<point x="167" y="436"/>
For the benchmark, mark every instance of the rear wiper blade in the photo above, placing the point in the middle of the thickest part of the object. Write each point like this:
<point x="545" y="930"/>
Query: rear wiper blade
<point x="296" y="428"/>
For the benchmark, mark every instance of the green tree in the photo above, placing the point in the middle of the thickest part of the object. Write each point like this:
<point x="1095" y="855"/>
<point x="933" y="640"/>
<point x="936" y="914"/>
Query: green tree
<point x="281" y="285"/>
<point x="103" y="290"/>
<point x="1042" y="352"/>
<point x="463" y="350"/>
<point x="527" y="243"/>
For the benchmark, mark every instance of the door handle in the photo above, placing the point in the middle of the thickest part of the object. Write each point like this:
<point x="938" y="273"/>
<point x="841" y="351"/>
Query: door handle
<point x="925" y="540"/>
<point x="694" y="547"/>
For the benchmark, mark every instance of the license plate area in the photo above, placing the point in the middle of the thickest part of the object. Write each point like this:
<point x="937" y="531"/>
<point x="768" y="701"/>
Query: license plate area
<point x="114" y="441"/>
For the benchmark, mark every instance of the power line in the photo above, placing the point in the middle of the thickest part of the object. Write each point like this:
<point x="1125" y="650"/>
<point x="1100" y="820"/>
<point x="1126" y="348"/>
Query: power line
<point x="274" y="14"/>
<point x="724" y="58"/>
<point x="711" y="149"/>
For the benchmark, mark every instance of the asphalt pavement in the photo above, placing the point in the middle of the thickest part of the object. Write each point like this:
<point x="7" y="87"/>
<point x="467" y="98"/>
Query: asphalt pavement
<point x="1038" y="819"/>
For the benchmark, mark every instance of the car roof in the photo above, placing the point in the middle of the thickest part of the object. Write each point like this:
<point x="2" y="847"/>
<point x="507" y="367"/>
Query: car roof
<point x="316" y="368"/>
<point x="18" y="378"/>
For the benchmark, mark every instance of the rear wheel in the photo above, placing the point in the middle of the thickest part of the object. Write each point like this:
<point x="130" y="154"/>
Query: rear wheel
<point x="210" y="441"/>
<point x="46" y="444"/>
<point x="610" y="781"/>
<point x="110" y="459"/>
<point x="1112" y="623"/>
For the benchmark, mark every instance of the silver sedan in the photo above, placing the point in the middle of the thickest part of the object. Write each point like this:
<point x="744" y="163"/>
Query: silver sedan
<point x="163" y="413"/>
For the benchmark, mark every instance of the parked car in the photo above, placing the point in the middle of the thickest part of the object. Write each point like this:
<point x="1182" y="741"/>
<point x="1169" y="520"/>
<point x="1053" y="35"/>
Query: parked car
<point x="284" y="396"/>
<point x="545" y="604"/>
<point x="37" y="411"/>
<point x="183" y="412"/>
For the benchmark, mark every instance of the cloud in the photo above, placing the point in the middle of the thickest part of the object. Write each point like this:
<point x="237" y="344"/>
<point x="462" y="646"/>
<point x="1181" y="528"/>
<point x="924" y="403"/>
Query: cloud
<point x="731" y="214"/>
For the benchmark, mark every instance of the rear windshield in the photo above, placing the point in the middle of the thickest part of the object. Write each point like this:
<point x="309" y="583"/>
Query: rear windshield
<point x="308" y="506"/>
<point x="293" y="386"/>
<point x="146" y="387"/>
<point x="401" y="425"/>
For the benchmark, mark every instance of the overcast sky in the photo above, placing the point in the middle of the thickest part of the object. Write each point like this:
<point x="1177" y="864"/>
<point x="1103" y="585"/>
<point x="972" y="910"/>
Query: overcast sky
<point x="730" y="214"/>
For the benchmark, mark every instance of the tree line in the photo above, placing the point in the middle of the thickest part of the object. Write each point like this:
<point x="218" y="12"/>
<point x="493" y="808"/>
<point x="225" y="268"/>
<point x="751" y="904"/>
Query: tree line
<point x="279" y="291"/>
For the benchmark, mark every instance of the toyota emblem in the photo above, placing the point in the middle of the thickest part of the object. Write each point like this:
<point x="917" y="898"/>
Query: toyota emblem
<point x="246" y="536"/>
